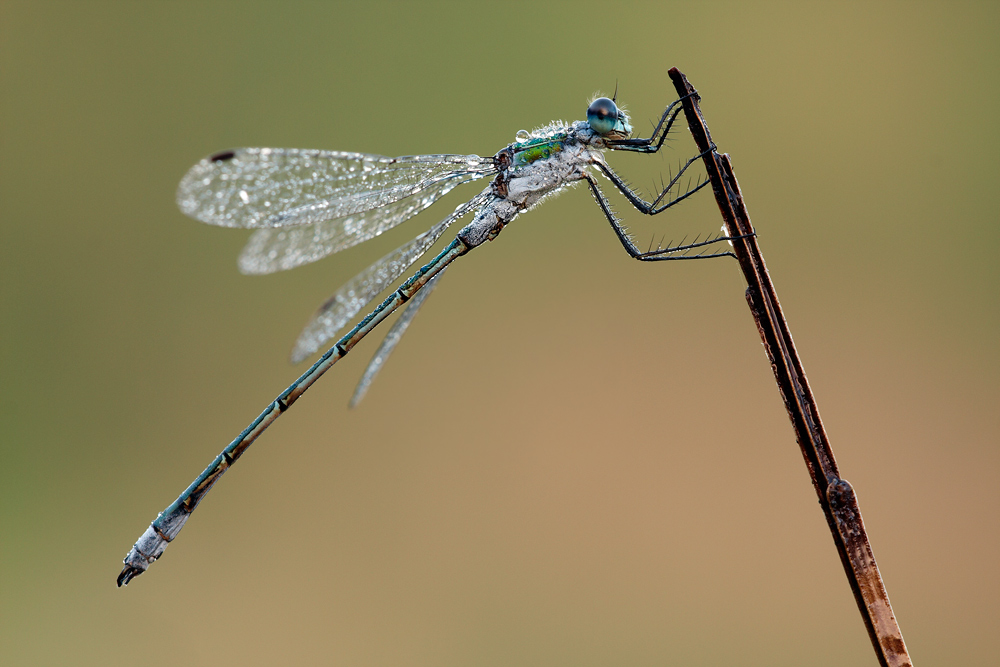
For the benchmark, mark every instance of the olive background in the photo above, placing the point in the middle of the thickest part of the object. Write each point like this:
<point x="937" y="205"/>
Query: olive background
<point x="572" y="457"/>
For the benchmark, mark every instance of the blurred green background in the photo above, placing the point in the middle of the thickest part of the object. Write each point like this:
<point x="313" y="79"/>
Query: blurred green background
<point x="552" y="468"/>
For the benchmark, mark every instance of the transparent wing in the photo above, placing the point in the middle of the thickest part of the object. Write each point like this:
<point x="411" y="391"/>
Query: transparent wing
<point x="283" y="187"/>
<point x="271" y="250"/>
<point x="392" y="338"/>
<point x="350" y="299"/>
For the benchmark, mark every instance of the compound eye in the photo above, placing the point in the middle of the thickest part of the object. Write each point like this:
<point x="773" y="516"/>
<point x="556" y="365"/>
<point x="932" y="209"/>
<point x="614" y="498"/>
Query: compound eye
<point x="602" y="115"/>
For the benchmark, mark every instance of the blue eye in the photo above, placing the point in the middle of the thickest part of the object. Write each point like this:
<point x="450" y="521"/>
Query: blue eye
<point x="602" y="115"/>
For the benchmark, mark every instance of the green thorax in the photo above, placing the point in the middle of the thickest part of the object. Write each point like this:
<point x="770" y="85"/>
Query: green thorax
<point x="532" y="150"/>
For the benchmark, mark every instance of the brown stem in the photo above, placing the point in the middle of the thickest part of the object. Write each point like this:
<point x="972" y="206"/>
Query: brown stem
<point x="836" y="496"/>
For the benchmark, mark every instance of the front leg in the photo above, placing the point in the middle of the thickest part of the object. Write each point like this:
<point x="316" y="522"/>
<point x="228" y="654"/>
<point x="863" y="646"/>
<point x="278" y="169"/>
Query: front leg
<point x="660" y="132"/>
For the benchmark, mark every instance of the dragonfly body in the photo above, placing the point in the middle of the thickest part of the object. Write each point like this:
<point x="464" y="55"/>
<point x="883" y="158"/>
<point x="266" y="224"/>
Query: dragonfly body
<point x="308" y="204"/>
<point x="541" y="164"/>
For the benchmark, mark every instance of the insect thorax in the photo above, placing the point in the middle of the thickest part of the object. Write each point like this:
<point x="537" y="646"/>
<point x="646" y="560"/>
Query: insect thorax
<point x="537" y="149"/>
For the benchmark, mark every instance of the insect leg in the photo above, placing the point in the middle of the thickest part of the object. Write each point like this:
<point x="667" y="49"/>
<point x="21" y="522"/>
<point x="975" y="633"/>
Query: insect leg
<point x="660" y="132"/>
<point x="660" y="254"/>
<point x="653" y="207"/>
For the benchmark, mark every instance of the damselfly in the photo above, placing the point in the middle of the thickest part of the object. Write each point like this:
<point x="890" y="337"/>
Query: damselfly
<point x="307" y="204"/>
